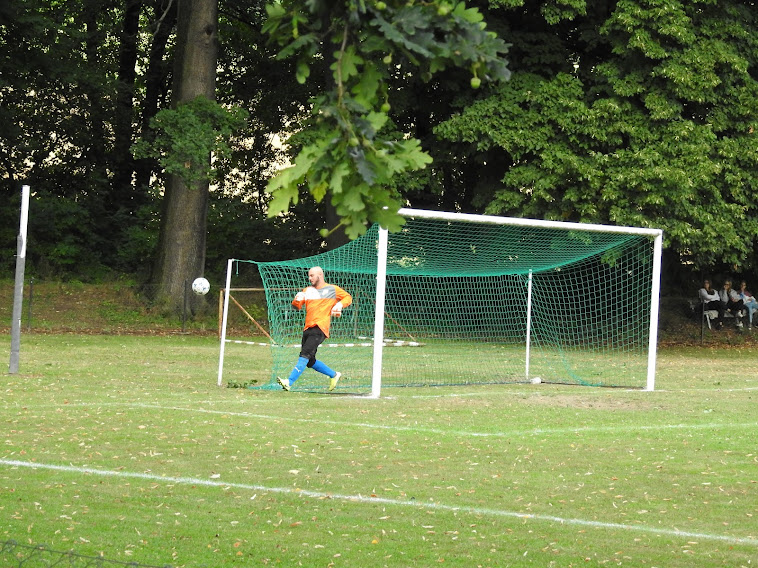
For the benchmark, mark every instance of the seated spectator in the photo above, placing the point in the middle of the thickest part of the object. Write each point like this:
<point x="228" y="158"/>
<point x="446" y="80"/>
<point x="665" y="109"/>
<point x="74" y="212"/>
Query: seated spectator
<point x="711" y="301"/>
<point x="751" y="304"/>
<point x="731" y="298"/>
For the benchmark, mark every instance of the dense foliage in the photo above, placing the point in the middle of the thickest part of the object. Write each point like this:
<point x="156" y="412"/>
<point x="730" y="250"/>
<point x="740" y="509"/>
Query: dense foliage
<point x="73" y="70"/>
<point x="638" y="112"/>
<point x="350" y="154"/>
<point x="648" y="119"/>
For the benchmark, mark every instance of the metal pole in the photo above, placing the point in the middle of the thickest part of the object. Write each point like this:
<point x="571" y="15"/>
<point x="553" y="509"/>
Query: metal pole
<point x="18" y="292"/>
<point x="528" y="323"/>
<point x="519" y="222"/>
<point x="227" y="289"/>
<point x="655" y="293"/>
<point x="381" y="290"/>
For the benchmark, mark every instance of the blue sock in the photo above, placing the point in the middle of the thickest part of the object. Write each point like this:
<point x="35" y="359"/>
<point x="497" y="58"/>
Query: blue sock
<point x="322" y="368"/>
<point x="300" y="366"/>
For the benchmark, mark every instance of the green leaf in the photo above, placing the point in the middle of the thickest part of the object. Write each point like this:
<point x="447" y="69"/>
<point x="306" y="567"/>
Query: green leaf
<point x="366" y="90"/>
<point x="469" y="14"/>
<point x="377" y="120"/>
<point x="346" y="65"/>
<point x="282" y="197"/>
<point x="353" y="201"/>
<point x="297" y="45"/>
<point x="364" y="167"/>
<point x="303" y="72"/>
<point x="318" y="191"/>
<point x="413" y="155"/>
<point x="339" y="173"/>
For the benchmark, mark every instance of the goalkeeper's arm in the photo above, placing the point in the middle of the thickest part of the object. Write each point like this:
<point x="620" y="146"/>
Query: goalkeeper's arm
<point x="337" y="309"/>
<point x="299" y="300"/>
<point x="343" y="297"/>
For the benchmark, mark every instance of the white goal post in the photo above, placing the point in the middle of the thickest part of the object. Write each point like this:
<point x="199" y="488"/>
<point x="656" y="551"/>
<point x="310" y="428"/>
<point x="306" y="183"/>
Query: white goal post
<point x="485" y="256"/>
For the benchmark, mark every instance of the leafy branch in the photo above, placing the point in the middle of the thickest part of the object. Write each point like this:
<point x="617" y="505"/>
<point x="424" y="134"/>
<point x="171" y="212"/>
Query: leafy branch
<point x="350" y="153"/>
<point x="185" y="137"/>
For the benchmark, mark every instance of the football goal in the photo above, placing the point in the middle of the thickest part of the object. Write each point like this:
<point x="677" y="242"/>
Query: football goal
<point x="458" y="299"/>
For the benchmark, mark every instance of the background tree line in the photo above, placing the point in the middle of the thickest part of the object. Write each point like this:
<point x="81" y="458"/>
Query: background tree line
<point x="634" y="112"/>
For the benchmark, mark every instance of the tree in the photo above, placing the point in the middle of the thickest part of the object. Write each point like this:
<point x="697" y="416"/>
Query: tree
<point x="55" y="95"/>
<point x="181" y="245"/>
<point x="348" y="150"/>
<point x="82" y="80"/>
<point x="633" y="113"/>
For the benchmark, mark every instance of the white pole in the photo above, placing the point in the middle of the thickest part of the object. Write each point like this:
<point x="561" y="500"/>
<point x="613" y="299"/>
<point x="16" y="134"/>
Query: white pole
<point x="18" y="293"/>
<point x="381" y="288"/>
<point x="528" y="322"/>
<point x="654" y="307"/>
<point x="518" y="222"/>
<point x="223" y="319"/>
<point x="23" y="224"/>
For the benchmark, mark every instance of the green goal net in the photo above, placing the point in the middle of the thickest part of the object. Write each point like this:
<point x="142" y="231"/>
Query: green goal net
<point x="464" y="299"/>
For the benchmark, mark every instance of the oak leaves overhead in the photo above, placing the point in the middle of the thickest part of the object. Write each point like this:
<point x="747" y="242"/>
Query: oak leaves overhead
<point x="350" y="151"/>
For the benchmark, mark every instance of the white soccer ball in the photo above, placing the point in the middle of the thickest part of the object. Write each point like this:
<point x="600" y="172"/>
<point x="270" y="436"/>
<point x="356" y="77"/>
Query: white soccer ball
<point x="200" y="286"/>
<point x="536" y="380"/>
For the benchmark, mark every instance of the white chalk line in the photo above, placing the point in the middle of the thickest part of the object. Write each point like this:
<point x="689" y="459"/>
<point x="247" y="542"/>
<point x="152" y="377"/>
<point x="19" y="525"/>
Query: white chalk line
<point x="462" y="433"/>
<point x="436" y="431"/>
<point x="435" y="505"/>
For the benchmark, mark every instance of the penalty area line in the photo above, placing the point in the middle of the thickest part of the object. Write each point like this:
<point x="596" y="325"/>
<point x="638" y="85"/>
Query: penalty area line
<point x="433" y="505"/>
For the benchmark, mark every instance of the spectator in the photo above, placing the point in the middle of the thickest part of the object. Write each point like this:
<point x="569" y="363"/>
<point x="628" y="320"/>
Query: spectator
<point x="731" y="298"/>
<point x="750" y="303"/>
<point x="711" y="301"/>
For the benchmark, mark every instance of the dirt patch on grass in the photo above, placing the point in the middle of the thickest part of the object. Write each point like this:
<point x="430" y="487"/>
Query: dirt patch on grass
<point x="610" y="399"/>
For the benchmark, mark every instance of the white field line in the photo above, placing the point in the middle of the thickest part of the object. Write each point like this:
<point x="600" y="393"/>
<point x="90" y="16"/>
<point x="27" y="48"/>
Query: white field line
<point x="462" y="433"/>
<point x="437" y="431"/>
<point x="435" y="505"/>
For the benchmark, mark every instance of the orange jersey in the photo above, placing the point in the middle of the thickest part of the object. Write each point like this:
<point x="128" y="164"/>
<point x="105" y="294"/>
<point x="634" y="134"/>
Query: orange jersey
<point x="318" y="304"/>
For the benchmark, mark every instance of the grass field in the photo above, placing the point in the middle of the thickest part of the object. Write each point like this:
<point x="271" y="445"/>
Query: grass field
<point x="123" y="446"/>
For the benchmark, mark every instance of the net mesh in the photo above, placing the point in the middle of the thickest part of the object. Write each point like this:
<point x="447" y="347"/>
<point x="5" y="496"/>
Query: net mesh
<point x="456" y="306"/>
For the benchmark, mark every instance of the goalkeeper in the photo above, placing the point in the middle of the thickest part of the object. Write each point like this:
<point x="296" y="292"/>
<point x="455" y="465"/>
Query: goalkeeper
<point x="321" y="301"/>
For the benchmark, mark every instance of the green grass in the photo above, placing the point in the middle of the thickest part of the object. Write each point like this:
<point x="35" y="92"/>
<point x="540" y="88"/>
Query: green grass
<point x="124" y="446"/>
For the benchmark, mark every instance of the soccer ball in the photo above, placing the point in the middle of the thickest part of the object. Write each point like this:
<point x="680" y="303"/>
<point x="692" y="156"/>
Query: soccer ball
<point x="201" y="286"/>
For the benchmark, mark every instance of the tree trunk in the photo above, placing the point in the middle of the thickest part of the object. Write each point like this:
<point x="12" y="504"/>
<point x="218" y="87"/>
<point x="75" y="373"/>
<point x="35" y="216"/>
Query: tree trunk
<point x="124" y="198"/>
<point x="121" y="160"/>
<point x="156" y="82"/>
<point x="181" y="244"/>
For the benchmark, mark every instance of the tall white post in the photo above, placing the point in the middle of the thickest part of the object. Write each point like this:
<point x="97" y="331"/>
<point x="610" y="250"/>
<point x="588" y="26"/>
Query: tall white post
<point x="381" y="289"/>
<point x="528" y="322"/>
<point x="18" y="292"/>
<point x="655" y="293"/>
<point x="224" y="318"/>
